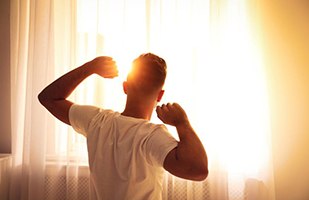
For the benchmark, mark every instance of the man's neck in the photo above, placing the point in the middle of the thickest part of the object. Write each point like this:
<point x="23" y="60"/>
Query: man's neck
<point x="141" y="110"/>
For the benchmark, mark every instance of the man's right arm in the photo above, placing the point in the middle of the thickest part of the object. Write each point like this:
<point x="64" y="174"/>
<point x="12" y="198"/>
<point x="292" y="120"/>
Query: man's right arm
<point x="54" y="96"/>
<point x="189" y="159"/>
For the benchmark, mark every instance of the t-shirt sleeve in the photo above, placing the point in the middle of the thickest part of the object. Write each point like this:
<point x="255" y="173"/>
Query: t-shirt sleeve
<point x="80" y="117"/>
<point x="159" y="144"/>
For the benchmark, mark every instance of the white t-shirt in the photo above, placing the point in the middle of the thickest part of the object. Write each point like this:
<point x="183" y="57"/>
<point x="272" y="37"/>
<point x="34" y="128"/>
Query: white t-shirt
<point x="126" y="154"/>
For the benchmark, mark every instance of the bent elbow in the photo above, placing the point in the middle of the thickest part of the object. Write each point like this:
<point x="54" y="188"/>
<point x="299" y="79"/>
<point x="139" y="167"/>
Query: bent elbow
<point x="201" y="174"/>
<point x="41" y="99"/>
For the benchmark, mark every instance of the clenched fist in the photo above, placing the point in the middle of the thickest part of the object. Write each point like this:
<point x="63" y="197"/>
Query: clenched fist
<point x="172" y="114"/>
<point x="104" y="66"/>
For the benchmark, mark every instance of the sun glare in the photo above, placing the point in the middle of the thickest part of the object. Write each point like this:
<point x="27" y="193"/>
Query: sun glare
<point x="214" y="71"/>
<point x="240" y="97"/>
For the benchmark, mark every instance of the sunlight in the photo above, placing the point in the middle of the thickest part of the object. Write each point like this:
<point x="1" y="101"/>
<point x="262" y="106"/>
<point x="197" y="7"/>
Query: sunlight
<point x="214" y="71"/>
<point x="244" y="126"/>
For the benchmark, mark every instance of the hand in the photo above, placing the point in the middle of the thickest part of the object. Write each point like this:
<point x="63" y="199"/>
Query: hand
<point x="172" y="114"/>
<point x="104" y="66"/>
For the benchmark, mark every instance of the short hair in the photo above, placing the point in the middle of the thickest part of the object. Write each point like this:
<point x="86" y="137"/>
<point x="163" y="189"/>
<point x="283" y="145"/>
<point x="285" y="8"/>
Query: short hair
<point x="148" y="72"/>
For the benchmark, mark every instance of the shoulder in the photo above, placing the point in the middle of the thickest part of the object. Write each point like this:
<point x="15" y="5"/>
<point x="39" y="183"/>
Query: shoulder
<point x="86" y="110"/>
<point x="158" y="144"/>
<point x="153" y="128"/>
<point x="156" y="132"/>
<point x="84" y="117"/>
<point x="157" y="128"/>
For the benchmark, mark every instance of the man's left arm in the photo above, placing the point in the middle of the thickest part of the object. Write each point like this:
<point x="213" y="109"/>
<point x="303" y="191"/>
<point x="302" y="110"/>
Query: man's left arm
<point x="54" y="96"/>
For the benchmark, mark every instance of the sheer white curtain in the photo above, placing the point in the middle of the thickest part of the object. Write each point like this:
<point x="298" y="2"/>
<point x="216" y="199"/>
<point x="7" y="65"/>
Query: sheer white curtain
<point x="214" y="70"/>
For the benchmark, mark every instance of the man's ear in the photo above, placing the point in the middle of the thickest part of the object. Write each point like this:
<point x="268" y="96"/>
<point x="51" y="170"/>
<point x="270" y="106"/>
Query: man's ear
<point x="160" y="95"/>
<point x="124" y="86"/>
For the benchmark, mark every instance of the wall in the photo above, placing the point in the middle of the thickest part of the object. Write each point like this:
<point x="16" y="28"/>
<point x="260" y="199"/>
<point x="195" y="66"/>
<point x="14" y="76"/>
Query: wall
<point x="5" y="117"/>
<point x="285" y="29"/>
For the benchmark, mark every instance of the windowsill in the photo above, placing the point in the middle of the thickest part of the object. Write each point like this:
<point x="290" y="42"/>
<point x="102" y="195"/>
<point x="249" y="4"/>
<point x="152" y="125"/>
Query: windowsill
<point x="4" y="156"/>
<point x="62" y="160"/>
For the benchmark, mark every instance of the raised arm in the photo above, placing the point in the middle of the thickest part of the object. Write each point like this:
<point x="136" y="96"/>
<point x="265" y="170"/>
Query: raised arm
<point x="53" y="97"/>
<point x="188" y="160"/>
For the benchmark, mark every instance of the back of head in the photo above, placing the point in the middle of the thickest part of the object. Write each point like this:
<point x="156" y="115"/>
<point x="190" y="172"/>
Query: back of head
<point x="148" y="73"/>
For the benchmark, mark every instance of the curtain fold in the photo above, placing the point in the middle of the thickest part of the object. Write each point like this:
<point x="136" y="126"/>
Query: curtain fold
<point x="215" y="71"/>
<point x="31" y="21"/>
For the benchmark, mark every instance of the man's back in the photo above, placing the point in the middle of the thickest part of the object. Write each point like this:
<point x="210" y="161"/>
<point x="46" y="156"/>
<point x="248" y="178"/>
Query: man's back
<point x="124" y="168"/>
<point x="126" y="154"/>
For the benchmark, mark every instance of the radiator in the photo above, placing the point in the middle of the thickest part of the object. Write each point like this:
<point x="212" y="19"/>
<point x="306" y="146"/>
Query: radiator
<point x="5" y="169"/>
<point x="73" y="184"/>
<point x="63" y="184"/>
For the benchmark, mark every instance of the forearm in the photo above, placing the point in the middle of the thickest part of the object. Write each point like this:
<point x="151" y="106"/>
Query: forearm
<point x="61" y="88"/>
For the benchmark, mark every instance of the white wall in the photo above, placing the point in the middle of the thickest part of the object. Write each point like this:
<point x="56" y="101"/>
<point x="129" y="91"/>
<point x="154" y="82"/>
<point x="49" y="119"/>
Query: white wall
<point x="286" y="41"/>
<point x="5" y="116"/>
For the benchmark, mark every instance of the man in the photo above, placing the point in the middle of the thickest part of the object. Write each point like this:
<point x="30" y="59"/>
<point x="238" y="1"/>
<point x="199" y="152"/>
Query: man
<point x="127" y="153"/>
